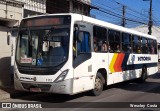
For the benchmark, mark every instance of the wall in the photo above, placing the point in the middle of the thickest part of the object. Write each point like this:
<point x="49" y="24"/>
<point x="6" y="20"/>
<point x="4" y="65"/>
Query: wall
<point x="35" y="5"/>
<point x="57" y="6"/>
<point x="10" y="15"/>
<point x="5" y="60"/>
<point x="9" y="12"/>
<point x="67" y="6"/>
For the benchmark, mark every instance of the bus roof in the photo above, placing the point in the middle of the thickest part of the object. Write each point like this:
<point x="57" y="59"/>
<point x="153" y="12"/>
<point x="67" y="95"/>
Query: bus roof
<point x="115" y="27"/>
<point x="99" y="23"/>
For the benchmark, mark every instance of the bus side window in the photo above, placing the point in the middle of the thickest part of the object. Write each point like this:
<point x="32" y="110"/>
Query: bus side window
<point x="144" y="45"/>
<point x="84" y="42"/>
<point x="155" y="46"/>
<point x="136" y="43"/>
<point x="126" y="43"/>
<point x="100" y="39"/>
<point x="114" y="41"/>
<point x="158" y="47"/>
<point x="81" y="43"/>
<point x="151" y="46"/>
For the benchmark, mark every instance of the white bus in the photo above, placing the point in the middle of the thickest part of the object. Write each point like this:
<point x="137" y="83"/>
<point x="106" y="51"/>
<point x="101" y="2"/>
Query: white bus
<point x="72" y="53"/>
<point x="159" y="52"/>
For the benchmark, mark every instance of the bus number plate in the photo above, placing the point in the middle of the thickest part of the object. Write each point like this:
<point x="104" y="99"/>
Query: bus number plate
<point x="35" y="90"/>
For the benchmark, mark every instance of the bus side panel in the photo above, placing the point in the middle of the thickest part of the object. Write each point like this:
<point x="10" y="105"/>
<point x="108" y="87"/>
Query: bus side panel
<point x="130" y="66"/>
<point x="83" y="77"/>
<point x="100" y="61"/>
<point x="113" y="77"/>
<point x="152" y="69"/>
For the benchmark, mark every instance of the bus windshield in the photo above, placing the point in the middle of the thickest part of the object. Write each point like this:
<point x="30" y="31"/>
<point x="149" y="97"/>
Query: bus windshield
<point x="43" y="46"/>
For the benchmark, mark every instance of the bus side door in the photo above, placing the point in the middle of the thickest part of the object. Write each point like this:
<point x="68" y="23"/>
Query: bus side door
<point x="83" y="79"/>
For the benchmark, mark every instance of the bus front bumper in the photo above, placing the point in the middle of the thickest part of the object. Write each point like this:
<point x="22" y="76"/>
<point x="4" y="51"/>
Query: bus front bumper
<point x="64" y="87"/>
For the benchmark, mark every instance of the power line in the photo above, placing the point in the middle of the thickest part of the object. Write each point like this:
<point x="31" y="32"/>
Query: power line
<point x="116" y="14"/>
<point x="133" y="10"/>
<point x="132" y="16"/>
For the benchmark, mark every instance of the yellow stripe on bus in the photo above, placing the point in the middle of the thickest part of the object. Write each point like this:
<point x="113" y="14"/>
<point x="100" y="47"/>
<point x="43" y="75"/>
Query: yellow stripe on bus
<point x="111" y="67"/>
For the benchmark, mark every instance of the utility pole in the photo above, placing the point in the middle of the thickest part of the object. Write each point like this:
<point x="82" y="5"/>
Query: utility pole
<point x="124" y="15"/>
<point x="150" y="23"/>
<point x="150" y="19"/>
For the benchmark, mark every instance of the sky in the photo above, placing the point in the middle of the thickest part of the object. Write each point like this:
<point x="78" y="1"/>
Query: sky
<point x="136" y="10"/>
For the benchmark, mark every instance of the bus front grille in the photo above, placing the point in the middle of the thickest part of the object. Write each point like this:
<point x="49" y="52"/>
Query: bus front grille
<point x="43" y="87"/>
<point x="37" y="71"/>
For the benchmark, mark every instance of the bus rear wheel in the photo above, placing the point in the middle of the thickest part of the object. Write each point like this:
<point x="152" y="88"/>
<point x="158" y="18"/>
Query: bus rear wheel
<point x="98" y="86"/>
<point x="144" y="75"/>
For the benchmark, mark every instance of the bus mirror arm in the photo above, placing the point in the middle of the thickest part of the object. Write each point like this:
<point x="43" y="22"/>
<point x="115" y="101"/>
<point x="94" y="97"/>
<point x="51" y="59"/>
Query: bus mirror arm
<point x="76" y="27"/>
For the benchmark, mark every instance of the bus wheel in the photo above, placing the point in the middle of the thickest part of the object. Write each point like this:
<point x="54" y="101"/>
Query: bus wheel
<point x="98" y="86"/>
<point x="144" y="75"/>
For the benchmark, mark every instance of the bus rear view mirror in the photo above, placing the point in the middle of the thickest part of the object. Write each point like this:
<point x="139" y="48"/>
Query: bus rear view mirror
<point x="76" y="30"/>
<point x="8" y="39"/>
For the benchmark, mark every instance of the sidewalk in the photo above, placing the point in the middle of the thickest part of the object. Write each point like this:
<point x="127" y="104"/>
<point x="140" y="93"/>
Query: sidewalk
<point x="9" y="92"/>
<point x="6" y="92"/>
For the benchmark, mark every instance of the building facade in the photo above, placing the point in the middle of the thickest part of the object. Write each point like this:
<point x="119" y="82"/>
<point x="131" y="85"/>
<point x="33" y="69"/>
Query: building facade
<point x="69" y="6"/>
<point x="10" y="15"/>
<point x="33" y="7"/>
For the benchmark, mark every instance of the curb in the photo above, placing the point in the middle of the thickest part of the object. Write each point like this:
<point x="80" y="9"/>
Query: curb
<point x="4" y="96"/>
<point x="14" y="94"/>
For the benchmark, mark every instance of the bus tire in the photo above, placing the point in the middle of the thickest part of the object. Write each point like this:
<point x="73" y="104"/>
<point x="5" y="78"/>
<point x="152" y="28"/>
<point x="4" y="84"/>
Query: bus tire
<point x="143" y="75"/>
<point x="98" y="86"/>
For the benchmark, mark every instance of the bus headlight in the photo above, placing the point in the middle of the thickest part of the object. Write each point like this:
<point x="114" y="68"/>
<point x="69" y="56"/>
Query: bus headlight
<point x="62" y="76"/>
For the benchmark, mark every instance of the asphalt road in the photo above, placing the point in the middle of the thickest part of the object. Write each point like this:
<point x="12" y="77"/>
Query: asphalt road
<point x="128" y="92"/>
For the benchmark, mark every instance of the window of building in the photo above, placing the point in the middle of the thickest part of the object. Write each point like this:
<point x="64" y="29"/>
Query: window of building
<point x="100" y="39"/>
<point x="126" y="43"/>
<point x="136" y="44"/>
<point x="114" y="41"/>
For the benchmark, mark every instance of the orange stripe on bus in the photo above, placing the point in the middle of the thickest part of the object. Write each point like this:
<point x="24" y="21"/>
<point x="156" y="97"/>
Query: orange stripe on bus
<point x="121" y="61"/>
<point x="117" y="63"/>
